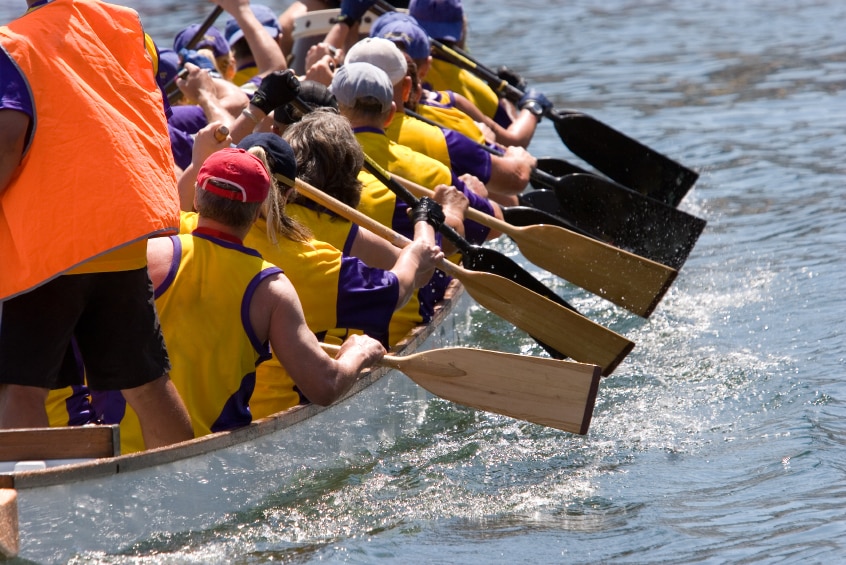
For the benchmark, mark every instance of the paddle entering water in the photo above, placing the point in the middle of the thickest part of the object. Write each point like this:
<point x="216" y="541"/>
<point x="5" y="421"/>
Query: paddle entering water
<point x="549" y="392"/>
<point x="613" y="213"/>
<point x="623" y="278"/>
<point x="561" y="328"/>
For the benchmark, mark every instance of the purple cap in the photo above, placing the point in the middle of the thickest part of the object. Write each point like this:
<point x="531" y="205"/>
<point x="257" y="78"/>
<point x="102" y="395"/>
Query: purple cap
<point x="408" y="36"/>
<point x="265" y="16"/>
<point x="168" y="66"/>
<point x="212" y="40"/>
<point x="442" y="19"/>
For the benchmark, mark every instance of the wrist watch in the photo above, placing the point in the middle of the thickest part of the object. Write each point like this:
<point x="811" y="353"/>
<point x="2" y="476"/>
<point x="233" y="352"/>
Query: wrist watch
<point x="534" y="107"/>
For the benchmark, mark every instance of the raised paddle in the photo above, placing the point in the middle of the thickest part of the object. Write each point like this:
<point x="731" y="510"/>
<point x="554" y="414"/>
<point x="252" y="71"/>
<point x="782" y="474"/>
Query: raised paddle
<point x="635" y="283"/>
<point x="554" y="393"/>
<point x="658" y="226"/>
<point x="171" y="89"/>
<point x="559" y="327"/>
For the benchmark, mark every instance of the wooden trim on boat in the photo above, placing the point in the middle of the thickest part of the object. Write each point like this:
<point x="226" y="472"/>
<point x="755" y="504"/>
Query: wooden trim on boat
<point x="74" y="442"/>
<point x="135" y="461"/>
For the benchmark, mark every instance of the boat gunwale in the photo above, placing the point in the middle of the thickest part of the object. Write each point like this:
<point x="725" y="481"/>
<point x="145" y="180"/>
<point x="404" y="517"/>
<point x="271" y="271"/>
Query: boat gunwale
<point x="104" y="467"/>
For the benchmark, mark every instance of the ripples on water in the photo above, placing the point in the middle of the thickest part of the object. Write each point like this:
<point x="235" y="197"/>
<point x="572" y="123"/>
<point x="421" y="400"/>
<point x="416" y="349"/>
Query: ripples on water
<point x="721" y="437"/>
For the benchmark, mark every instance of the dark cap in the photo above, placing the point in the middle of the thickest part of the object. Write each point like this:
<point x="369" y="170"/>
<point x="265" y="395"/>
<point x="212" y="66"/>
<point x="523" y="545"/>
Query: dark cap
<point x="280" y="156"/>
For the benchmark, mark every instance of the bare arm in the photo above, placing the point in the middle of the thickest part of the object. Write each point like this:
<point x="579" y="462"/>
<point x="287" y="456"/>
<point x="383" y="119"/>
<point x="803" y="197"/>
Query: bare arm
<point x="276" y="313"/>
<point x="519" y="133"/>
<point x="13" y="128"/>
<point x="510" y="172"/>
<point x="374" y="250"/>
<point x="416" y="263"/>
<point x="266" y="52"/>
<point x="205" y="143"/>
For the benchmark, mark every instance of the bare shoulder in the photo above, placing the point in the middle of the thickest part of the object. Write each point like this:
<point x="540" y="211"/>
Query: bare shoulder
<point x="159" y="258"/>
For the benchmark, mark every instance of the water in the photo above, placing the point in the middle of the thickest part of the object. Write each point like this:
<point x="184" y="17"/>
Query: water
<point x="721" y="437"/>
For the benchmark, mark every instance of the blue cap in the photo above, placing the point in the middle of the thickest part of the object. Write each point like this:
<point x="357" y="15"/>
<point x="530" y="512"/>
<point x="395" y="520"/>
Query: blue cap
<point x="387" y="18"/>
<point x="442" y="19"/>
<point x="265" y="16"/>
<point x="408" y="36"/>
<point x="212" y="40"/>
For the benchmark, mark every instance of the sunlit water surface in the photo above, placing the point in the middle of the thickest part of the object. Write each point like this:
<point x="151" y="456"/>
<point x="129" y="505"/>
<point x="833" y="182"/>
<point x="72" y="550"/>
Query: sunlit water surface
<point x="721" y="437"/>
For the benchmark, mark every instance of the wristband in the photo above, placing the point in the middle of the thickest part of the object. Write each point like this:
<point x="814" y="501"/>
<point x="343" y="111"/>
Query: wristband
<point x="253" y="117"/>
<point x="429" y="211"/>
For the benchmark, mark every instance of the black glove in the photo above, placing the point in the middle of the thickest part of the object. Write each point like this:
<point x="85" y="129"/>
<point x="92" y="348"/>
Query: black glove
<point x="535" y="102"/>
<point x="276" y="89"/>
<point x="511" y="78"/>
<point x="427" y="210"/>
<point x="353" y="10"/>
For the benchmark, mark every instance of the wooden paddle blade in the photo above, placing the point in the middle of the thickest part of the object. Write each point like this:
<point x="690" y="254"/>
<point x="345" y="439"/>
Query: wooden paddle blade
<point x="9" y="535"/>
<point x="623" y="159"/>
<point x="627" y="219"/>
<point x="567" y="331"/>
<point x="558" y="394"/>
<point x="627" y="280"/>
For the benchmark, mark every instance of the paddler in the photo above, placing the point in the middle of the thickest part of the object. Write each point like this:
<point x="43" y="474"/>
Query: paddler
<point x="84" y="181"/>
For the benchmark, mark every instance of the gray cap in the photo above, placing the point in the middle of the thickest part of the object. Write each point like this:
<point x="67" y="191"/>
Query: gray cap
<point x="354" y="81"/>
<point x="382" y="53"/>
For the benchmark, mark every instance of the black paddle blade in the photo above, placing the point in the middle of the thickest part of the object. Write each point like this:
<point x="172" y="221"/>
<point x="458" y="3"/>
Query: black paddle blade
<point x="477" y="258"/>
<point x="623" y="159"/>
<point x="557" y="168"/>
<point x="628" y="220"/>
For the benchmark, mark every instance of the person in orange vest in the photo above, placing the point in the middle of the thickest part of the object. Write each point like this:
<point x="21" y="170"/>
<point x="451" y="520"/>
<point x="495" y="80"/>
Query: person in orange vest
<point x="84" y="182"/>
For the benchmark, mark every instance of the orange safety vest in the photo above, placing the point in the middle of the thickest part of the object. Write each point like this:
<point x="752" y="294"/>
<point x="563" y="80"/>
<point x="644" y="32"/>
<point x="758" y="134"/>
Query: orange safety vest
<point x="98" y="173"/>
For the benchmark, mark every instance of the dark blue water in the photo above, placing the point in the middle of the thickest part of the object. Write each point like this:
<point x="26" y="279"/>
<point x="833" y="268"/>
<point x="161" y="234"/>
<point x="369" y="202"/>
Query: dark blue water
<point x="721" y="437"/>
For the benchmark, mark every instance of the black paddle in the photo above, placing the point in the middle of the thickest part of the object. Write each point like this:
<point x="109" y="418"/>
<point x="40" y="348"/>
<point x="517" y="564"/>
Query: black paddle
<point x="170" y="88"/>
<point x="613" y="213"/>
<point x="647" y="228"/>
<point x="622" y="158"/>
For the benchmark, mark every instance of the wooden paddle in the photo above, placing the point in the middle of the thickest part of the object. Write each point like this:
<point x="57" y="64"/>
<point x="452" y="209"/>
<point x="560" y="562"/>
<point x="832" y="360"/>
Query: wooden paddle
<point x="9" y="534"/>
<point x="545" y="320"/>
<point x="625" y="279"/>
<point x="658" y="226"/>
<point x="171" y="90"/>
<point x="549" y="392"/>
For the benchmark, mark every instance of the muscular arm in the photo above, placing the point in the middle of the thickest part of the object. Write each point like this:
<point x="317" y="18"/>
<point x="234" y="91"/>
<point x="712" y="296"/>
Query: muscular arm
<point x="266" y="52"/>
<point x="276" y="313"/>
<point x="13" y="128"/>
<point x="510" y="172"/>
<point x="416" y="263"/>
<point x="374" y="250"/>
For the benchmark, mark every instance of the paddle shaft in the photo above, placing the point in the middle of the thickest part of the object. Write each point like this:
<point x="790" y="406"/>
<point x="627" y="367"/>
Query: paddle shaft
<point x="171" y="89"/>
<point x="558" y="394"/>
<point x="549" y="322"/>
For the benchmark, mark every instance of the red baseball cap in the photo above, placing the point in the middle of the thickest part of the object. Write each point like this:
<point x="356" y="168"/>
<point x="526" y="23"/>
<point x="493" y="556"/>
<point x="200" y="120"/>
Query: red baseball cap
<point x="234" y="174"/>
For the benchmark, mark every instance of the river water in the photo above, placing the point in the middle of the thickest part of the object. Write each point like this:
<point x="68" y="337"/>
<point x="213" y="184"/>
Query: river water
<point x="721" y="437"/>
